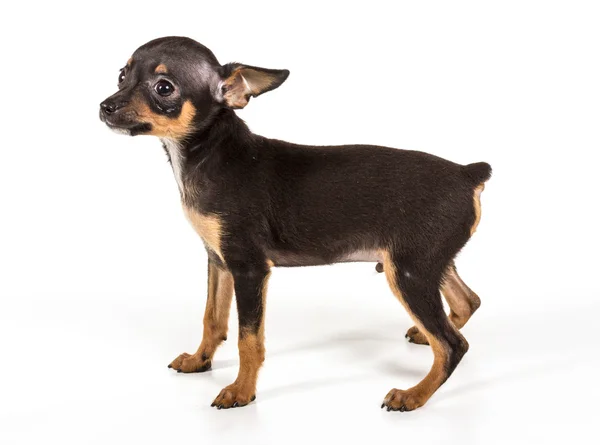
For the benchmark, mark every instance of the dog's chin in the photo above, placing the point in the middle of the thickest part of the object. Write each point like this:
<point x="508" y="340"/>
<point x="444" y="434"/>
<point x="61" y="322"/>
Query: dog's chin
<point x="119" y="130"/>
<point x="129" y="130"/>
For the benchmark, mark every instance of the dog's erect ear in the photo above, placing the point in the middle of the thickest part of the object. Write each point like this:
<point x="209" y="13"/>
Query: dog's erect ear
<point x="240" y="82"/>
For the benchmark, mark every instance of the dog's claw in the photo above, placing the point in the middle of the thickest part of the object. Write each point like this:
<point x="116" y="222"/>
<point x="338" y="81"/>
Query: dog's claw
<point x="253" y="398"/>
<point x="235" y="405"/>
<point x="382" y="405"/>
<point x="403" y="401"/>
<point x="169" y="366"/>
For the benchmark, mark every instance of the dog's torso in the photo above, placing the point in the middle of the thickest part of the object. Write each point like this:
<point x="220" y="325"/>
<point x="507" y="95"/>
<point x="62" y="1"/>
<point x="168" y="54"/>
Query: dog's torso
<point x="299" y="205"/>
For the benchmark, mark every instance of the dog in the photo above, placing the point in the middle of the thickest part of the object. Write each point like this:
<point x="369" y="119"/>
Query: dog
<point x="259" y="203"/>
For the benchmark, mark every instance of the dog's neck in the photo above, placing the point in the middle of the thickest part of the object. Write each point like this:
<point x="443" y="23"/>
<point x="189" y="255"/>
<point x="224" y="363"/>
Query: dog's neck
<point x="176" y="154"/>
<point x="223" y="133"/>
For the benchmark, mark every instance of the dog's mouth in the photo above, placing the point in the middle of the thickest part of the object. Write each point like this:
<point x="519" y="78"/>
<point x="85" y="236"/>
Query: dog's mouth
<point x="124" y="126"/>
<point x="119" y="130"/>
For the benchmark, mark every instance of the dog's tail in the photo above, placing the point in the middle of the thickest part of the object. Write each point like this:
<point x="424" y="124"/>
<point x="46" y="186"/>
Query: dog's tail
<point x="477" y="173"/>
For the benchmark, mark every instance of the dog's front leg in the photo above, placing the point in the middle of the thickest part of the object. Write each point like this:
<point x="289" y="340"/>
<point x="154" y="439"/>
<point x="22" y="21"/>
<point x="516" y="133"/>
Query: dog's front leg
<point x="216" y="317"/>
<point x="250" y="281"/>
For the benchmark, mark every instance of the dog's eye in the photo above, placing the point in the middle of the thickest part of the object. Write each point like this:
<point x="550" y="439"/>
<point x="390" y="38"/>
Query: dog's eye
<point x="164" y="87"/>
<point x="121" y="76"/>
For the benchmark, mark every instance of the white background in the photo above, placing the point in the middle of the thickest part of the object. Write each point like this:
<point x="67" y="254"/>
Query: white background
<point x="103" y="283"/>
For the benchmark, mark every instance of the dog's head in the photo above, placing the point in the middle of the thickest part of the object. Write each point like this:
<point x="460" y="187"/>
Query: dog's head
<point x="171" y="87"/>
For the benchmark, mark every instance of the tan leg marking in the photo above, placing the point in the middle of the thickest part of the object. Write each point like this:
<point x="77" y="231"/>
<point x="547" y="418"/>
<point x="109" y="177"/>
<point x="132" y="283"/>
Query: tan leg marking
<point x="243" y="390"/>
<point x="252" y="355"/>
<point x="216" y="317"/>
<point x="218" y="302"/>
<point x="415" y="397"/>
<point x="208" y="226"/>
<point x="462" y="300"/>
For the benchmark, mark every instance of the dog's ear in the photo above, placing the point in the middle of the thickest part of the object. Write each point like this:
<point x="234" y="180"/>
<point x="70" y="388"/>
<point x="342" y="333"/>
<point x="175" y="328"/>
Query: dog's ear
<point x="240" y="82"/>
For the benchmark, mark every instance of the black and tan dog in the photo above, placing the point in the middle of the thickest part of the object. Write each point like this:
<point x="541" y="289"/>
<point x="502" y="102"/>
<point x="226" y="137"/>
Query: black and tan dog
<point x="258" y="203"/>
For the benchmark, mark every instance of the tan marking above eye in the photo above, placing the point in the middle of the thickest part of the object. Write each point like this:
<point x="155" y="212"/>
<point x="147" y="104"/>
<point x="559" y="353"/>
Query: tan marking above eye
<point x="130" y="61"/>
<point x="161" y="69"/>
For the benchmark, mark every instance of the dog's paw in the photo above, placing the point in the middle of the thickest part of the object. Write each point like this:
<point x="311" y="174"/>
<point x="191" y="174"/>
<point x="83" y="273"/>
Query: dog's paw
<point x="415" y="336"/>
<point x="191" y="363"/>
<point x="234" y="396"/>
<point x="400" y="400"/>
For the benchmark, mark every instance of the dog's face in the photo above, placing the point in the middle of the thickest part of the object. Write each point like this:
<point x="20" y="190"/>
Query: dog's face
<point x="172" y="86"/>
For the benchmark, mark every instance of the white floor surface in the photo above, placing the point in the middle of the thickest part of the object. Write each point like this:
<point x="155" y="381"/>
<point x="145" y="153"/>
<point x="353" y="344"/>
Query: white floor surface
<point x="89" y="369"/>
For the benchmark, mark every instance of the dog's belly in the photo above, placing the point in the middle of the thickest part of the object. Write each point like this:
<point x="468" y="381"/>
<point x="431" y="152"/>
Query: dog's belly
<point x="363" y="256"/>
<point x="297" y="259"/>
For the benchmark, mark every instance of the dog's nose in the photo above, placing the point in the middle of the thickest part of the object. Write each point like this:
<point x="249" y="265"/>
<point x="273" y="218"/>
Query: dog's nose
<point x="109" y="107"/>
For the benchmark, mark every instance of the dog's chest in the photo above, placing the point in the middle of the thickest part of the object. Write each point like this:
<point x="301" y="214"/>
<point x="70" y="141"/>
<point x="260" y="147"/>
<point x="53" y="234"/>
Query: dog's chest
<point x="208" y="226"/>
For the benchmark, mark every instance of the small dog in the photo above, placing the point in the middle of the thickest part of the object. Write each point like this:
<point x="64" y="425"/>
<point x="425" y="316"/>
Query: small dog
<point x="259" y="203"/>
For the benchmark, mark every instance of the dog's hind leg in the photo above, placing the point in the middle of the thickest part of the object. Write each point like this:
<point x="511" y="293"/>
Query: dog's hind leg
<point x="462" y="300"/>
<point x="416" y="286"/>
<point x="216" y="318"/>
